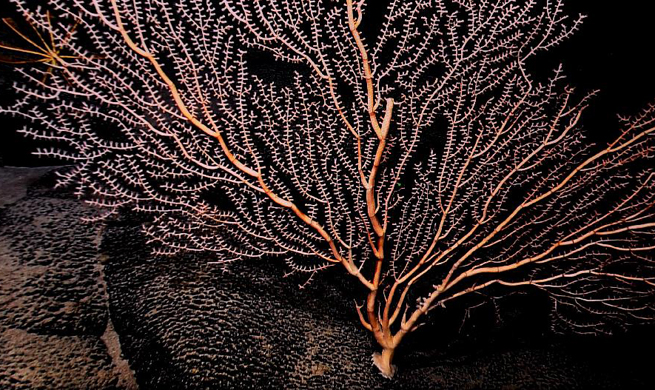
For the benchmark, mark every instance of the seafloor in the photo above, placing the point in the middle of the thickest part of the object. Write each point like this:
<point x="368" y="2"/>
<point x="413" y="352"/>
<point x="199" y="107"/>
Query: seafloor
<point x="85" y="306"/>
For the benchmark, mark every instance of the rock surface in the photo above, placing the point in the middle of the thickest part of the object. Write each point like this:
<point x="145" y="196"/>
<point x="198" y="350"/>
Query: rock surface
<point x="53" y="302"/>
<point x="185" y="324"/>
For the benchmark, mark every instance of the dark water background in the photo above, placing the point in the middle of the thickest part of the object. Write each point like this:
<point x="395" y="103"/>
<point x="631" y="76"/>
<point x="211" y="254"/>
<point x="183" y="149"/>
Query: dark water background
<point x="612" y="52"/>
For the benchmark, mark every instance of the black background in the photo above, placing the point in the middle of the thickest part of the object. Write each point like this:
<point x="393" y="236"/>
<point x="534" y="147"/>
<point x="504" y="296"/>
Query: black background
<point x="612" y="52"/>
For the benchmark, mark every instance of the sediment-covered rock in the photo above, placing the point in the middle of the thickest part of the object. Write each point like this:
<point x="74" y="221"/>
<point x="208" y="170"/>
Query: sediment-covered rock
<point x="54" y="308"/>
